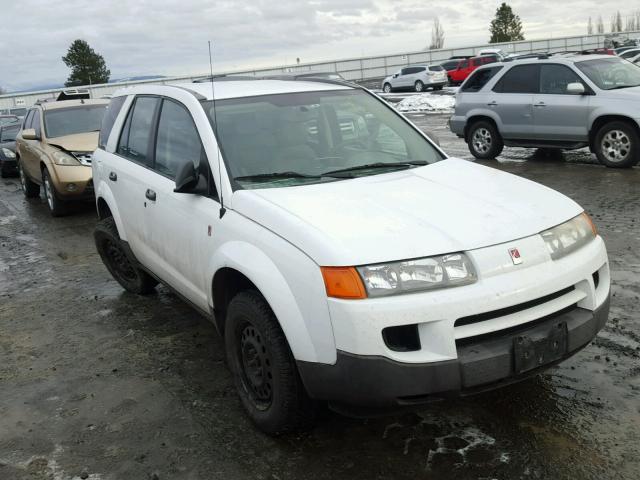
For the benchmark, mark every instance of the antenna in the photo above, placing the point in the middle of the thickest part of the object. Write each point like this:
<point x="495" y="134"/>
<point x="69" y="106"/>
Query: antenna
<point x="215" y="130"/>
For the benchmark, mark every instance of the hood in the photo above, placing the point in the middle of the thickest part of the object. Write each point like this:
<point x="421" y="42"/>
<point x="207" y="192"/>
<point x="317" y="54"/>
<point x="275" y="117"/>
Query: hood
<point x="453" y="205"/>
<point x="79" y="142"/>
<point x="631" y="93"/>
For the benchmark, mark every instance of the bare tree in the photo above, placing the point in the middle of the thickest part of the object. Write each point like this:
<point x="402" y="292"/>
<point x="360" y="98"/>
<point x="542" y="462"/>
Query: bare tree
<point x="437" y="35"/>
<point x="590" y="27"/>
<point x="616" y="22"/>
<point x="631" y="24"/>
<point x="600" y="25"/>
<point x="636" y="14"/>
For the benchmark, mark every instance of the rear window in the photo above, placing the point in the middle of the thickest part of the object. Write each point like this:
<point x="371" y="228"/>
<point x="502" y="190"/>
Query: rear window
<point x="520" y="79"/>
<point x="436" y="68"/>
<point x="109" y="118"/>
<point x="479" y="79"/>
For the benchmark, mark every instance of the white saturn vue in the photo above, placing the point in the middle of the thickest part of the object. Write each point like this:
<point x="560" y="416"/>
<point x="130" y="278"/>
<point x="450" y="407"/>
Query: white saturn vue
<point x="344" y="258"/>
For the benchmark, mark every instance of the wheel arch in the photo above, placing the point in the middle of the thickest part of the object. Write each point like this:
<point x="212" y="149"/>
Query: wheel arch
<point x="107" y="207"/>
<point x="602" y="120"/>
<point x="478" y="117"/>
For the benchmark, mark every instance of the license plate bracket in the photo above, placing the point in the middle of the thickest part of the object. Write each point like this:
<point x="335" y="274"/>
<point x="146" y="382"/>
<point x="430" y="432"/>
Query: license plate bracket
<point x="536" y="350"/>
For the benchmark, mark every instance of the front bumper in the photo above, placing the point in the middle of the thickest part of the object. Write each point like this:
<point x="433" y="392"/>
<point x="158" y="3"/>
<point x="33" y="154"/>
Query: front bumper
<point x="8" y="165"/>
<point x="482" y="364"/>
<point x="72" y="182"/>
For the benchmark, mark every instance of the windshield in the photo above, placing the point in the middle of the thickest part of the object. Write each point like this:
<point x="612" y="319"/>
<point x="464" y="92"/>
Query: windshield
<point x="300" y="138"/>
<point x="8" y="134"/>
<point x="68" y="121"/>
<point x="611" y="73"/>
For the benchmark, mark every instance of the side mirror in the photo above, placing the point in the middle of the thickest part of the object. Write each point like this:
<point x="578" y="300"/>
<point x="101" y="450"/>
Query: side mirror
<point x="575" y="88"/>
<point x="29" y="134"/>
<point x="395" y="75"/>
<point x="188" y="180"/>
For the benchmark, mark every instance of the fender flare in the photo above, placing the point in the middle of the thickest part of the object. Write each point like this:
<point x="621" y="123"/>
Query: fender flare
<point x="103" y="192"/>
<point x="273" y="286"/>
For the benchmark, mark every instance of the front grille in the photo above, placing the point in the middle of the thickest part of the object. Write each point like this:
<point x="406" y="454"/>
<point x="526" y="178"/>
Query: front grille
<point x="482" y="317"/>
<point x="84" y="158"/>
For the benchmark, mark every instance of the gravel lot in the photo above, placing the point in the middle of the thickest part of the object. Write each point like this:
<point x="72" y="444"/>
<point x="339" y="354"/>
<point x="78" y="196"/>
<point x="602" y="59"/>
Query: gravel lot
<point x="100" y="384"/>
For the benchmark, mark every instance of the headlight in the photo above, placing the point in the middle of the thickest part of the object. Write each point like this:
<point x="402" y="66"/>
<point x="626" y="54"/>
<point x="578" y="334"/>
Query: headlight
<point x="8" y="153"/>
<point x="569" y="236"/>
<point x="61" y="158"/>
<point x="418" y="275"/>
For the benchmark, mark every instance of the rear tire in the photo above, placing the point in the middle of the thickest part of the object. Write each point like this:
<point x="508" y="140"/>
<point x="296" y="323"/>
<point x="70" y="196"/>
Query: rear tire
<point x="418" y="86"/>
<point x="484" y="141"/>
<point x="118" y="261"/>
<point x="29" y="188"/>
<point x="617" y="145"/>
<point x="263" y="367"/>
<point x="56" y="207"/>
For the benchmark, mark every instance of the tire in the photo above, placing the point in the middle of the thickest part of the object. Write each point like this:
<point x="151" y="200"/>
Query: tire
<point x="418" y="86"/>
<point x="386" y="88"/>
<point x="119" y="261"/>
<point x="56" y="207"/>
<point x="29" y="188"/>
<point x="484" y="141"/>
<point x="263" y="367"/>
<point x="617" y="145"/>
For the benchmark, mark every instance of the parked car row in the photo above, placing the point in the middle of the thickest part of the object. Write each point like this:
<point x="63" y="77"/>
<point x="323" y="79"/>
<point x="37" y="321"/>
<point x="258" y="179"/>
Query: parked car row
<point x="553" y="102"/>
<point x="306" y="220"/>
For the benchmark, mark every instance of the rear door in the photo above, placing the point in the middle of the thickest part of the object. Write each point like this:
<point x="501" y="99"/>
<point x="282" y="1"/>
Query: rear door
<point x="181" y="228"/>
<point x="558" y="115"/>
<point x="512" y="101"/>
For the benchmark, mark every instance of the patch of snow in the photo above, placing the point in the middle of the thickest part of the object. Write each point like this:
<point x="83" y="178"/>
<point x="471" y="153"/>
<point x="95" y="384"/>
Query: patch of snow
<point x="427" y="102"/>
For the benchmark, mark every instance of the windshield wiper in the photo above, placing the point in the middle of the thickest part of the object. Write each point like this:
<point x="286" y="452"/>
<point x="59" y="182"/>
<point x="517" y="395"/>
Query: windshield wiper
<point x="274" y="176"/>
<point x="369" y="166"/>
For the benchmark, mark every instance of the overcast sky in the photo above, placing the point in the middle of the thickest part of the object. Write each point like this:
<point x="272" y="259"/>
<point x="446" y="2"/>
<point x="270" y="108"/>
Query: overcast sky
<point x="168" y="37"/>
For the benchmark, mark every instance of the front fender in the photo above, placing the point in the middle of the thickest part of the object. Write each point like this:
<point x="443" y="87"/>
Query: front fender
<point x="294" y="290"/>
<point x="102" y="191"/>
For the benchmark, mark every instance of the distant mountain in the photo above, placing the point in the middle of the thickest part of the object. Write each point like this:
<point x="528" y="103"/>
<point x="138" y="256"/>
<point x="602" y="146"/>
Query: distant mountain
<point x="53" y="86"/>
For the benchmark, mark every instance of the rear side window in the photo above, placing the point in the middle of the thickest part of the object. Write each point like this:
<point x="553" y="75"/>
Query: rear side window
<point x="113" y="109"/>
<point x="177" y="141"/>
<point x="521" y="79"/>
<point x="135" y="139"/>
<point x="479" y="79"/>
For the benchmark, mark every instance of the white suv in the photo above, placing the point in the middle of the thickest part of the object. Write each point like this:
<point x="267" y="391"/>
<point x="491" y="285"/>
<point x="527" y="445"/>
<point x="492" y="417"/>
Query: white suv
<point x="417" y="77"/>
<point x="341" y="254"/>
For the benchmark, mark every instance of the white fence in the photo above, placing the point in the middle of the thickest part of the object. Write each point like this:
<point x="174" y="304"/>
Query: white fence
<point x="356" y="69"/>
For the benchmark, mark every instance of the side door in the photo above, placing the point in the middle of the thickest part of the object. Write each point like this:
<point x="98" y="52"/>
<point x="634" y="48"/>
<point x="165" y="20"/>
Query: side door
<point x="404" y="79"/>
<point x="459" y="74"/>
<point x="511" y="100"/>
<point x="32" y="164"/>
<point x="128" y="169"/>
<point x="181" y="228"/>
<point x="559" y="115"/>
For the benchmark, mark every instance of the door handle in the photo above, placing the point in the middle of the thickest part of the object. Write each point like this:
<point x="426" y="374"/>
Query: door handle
<point x="540" y="104"/>
<point x="113" y="176"/>
<point x="493" y="103"/>
<point x="150" y="194"/>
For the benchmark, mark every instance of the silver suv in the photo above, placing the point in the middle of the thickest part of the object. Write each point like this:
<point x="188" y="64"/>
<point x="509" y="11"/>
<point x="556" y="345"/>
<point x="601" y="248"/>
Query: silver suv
<point x="557" y="101"/>
<point x="416" y="77"/>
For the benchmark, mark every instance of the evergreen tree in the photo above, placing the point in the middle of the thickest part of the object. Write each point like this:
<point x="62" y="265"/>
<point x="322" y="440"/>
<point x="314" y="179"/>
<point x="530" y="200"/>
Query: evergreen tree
<point x="87" y="66"/>
<point x="506" y="26"/>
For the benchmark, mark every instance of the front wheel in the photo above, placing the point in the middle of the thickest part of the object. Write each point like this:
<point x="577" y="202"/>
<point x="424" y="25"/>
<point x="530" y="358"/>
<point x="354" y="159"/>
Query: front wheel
<point x="29" y="188"/>
<point x="118" y="261"/>
<point x="418" y="86"/>
<point x="484" y="141"/>
<point x="56" y="207"/>
<point x="263" y="367"/>
<point x="617" y="145"/>
<point x="386" y="88"/>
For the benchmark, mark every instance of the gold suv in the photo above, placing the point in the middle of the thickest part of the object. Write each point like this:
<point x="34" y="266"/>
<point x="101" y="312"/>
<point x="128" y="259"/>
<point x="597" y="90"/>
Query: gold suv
<point x="54" y="150"/>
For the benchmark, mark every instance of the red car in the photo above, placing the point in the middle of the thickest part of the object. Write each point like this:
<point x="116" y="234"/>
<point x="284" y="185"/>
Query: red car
<point x="465" y="67"/>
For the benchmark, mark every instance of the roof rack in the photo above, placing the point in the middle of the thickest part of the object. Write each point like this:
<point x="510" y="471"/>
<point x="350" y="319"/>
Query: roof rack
<point x="224" y="78"/>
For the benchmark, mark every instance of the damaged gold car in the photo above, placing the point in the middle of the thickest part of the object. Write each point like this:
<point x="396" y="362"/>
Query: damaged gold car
<point x="54" y="150"/>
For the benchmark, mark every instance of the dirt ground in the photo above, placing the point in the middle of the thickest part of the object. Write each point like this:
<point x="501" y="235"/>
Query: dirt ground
<point x="101" y="384"/>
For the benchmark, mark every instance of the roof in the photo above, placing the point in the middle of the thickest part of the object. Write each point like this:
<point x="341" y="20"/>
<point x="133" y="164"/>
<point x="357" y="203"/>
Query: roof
<point x="71" y="103"/>
<point x="243" y="88"/>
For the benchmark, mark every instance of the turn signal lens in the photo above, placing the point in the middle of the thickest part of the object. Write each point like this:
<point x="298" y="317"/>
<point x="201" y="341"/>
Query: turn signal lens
<point x="594" y="229"/>
<point x="343" y="282"/>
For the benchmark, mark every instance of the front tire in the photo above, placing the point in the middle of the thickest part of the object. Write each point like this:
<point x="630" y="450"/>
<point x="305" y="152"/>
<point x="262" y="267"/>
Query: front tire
<point x="386" y="88"/>
<point x="484" y="141"/>
<point x="418" y="86"/>
<point x="56" y="207"/>
<point x="29" y="188"/>
<point x="617" y="145"/>
<point x="263" y="367"/>
<point x="118" y="261"/>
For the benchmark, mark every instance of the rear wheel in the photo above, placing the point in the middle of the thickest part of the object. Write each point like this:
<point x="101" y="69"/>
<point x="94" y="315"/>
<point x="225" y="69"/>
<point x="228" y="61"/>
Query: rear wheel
<point x="118" y="261"/>
<point x="29" y="188"/>
<point x="263" y="367"/>
<point x="386" y="88"/>
<point x="484" y="141"/>
<point x="617" y="145"/>
<point x="56" y="207"/>
<point x="418" y="86"/>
